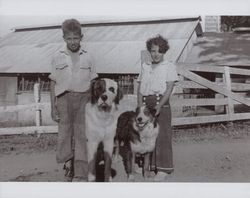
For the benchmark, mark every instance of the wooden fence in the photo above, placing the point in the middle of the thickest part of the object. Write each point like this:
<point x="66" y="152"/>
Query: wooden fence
<point x="230" y="90"/>
<point x="36" y="107"/>
<point x="189" y="80"/>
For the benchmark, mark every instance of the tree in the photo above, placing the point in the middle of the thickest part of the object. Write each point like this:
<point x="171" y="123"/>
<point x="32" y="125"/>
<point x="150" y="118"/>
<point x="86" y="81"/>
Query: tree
<point x="230" y="22"/>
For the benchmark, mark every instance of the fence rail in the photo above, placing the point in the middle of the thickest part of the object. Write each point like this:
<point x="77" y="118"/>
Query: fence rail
<point x="231" y="94"/>
<point x="16" y="108"/>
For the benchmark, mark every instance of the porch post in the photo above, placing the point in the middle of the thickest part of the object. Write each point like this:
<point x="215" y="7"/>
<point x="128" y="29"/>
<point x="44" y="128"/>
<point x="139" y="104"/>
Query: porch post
<point x="37" y="98"/>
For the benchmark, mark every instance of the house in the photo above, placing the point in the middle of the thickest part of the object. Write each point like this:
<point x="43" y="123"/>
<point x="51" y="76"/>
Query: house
<point x="212" y="24"/>
<point x="25" y="56"/>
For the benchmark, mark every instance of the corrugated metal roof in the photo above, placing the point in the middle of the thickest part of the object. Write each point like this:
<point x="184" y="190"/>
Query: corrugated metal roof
<point x="116" y="48"/>
<point x="229" y="49"/>
<point x="104" y="20"/>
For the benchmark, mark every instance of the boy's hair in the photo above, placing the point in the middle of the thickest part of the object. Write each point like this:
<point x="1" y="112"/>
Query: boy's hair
<point x="159" y="41"/>
<point x="71" y="25"/>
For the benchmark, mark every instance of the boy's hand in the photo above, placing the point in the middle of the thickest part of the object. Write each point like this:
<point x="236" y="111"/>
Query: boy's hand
<point x="54" y="115"/>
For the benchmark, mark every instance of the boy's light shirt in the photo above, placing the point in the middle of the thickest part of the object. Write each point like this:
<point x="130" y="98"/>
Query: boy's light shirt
<point x="72" y="71"/>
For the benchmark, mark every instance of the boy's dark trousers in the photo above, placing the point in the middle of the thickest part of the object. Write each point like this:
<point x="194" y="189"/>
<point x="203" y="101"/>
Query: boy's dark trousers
<point x="72" y="141"/>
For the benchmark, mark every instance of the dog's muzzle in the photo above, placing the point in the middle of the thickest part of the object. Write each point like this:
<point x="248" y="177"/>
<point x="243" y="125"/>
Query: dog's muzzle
<point x="104" y="107"/>
<point x="140" y="124"/>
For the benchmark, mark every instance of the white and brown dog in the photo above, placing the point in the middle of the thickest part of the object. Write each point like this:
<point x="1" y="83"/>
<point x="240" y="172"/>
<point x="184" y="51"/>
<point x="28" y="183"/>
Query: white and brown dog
<point x="101" y="121"/>
<point x="136" y="133"/>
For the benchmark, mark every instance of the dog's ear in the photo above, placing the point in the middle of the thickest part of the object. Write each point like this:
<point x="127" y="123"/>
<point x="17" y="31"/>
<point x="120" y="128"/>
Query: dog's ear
<point x="92" y="91"/>
<point x="152" y="111"/>
<point x="119" y="96"/>
<point x="137" y="109"/>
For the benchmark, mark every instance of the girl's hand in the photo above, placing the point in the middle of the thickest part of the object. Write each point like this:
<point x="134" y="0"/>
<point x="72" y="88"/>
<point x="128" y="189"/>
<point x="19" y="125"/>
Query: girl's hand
<point x="158" y="109"/>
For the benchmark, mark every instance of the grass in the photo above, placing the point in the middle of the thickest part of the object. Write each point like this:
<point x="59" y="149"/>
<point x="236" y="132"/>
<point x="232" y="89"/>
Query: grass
<point x="188" y="134"/>
<point x="212" y="132"/>
<point x="27" y="143"/>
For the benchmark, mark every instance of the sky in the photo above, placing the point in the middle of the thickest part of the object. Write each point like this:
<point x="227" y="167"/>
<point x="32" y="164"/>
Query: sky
<point x="16" y="13"/>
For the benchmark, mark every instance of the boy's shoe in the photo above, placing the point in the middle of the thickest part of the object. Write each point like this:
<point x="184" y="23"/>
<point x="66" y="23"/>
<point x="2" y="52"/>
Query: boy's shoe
<point x="169" y="171"/>
<point x="68" y="167"/>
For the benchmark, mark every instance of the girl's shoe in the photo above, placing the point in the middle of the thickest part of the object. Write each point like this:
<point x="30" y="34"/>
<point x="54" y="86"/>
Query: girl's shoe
<point x="160" y="176"/>
<point x="79" y="179"/>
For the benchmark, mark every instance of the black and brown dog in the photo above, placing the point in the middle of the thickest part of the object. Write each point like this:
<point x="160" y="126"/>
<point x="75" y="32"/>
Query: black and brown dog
<point x="136" y="135"/>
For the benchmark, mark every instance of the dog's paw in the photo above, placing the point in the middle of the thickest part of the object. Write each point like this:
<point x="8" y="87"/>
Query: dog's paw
<point x="116" y="159"/>
<point x="148" y="174"/>
<point x="101" y="162"/>
<point x="131" y="178"/>
<point x="91" y="177"/>
<point x="137" y="169"/>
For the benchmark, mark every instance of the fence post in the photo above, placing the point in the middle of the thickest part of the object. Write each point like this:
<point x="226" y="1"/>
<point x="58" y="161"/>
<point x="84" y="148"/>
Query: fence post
<point x="135" y="84"/>
<point x="227" y="80"/>
<point x="37" y="98"/>
<point x="219" y="79"/>
<point x="177" y="94"/>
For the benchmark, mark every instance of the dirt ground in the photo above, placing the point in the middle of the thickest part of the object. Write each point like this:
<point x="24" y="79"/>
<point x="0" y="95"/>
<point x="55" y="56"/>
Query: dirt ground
<point x="212" y="153"/>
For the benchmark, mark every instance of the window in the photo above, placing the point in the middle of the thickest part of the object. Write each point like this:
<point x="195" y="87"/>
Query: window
<point x="26" y="82"/>
<point x="126" y="82"/>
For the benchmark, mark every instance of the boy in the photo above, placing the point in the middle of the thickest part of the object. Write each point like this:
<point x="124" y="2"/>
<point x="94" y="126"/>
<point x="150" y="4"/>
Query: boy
<point x="72" y="71"/>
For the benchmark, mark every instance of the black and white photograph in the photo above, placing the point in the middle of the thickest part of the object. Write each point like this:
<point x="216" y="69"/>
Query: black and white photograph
<point x="131" y="93"/>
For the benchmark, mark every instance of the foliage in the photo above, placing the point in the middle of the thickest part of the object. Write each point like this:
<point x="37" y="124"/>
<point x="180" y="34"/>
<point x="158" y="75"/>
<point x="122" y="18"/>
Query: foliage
<point x="230" y="22"/>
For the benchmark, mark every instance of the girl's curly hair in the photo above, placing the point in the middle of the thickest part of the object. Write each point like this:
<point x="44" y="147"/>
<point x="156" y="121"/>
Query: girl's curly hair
<point x="159" y="41"/>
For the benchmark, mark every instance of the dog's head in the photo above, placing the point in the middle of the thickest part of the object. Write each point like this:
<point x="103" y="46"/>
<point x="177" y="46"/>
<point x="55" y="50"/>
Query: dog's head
<point x="104" y="93"/>
<point x="144" y="115"/>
